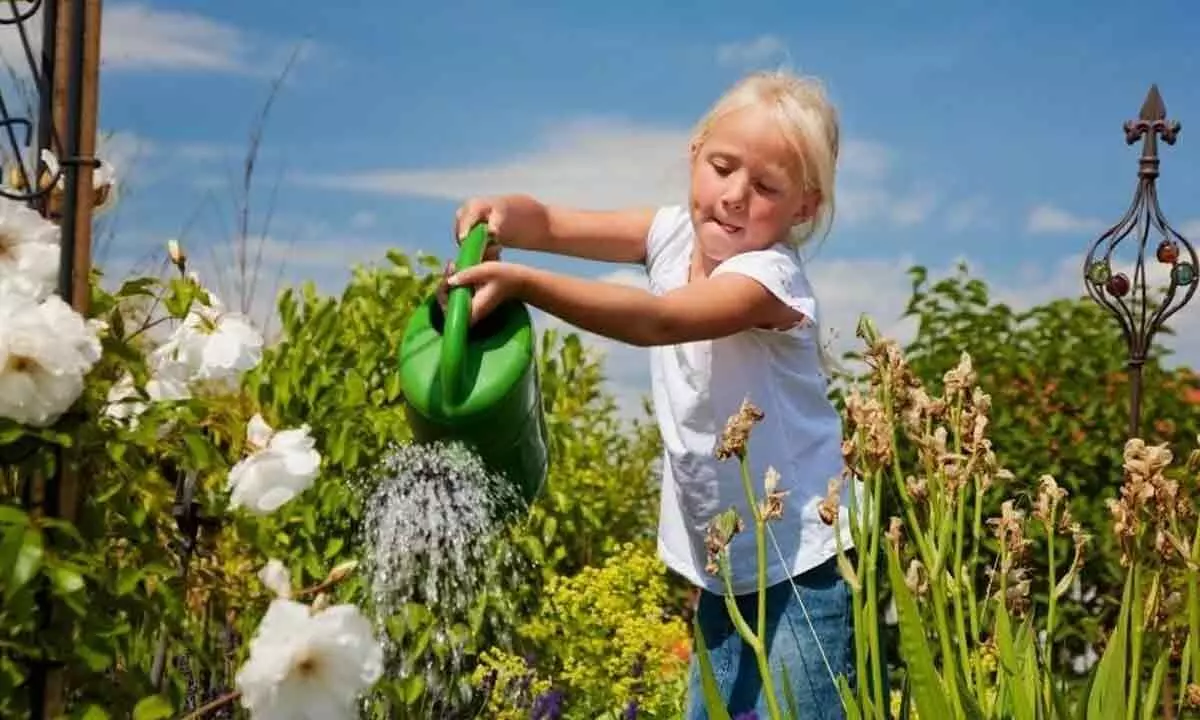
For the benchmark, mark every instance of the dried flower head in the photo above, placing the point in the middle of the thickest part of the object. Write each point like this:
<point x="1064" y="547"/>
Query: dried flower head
<point x="960" y="379"/>
<point x="1048" y="497"/>
<point x="1009" y="529"/>
<point x="721" y="530"/>
<point x="732" y="442"/>
<point x="771" y="507"/>
<point x="828" y="507"/>
<point x="872" y="427"/>
<point x="895" y="532"/>
<point x="916" y="578"/>
<point x="1193" y="695"/>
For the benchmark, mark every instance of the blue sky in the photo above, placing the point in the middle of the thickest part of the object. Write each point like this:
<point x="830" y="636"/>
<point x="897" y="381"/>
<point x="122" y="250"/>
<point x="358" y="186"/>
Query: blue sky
<point x="989" y="131"/>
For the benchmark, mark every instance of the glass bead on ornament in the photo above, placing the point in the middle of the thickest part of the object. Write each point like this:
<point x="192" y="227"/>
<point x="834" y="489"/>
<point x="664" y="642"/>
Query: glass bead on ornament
<point x="1183" y="274"/>
<point x="1168" y="252"/>
<point x="1099" y="272"/>
<point x="1118" y="285"/>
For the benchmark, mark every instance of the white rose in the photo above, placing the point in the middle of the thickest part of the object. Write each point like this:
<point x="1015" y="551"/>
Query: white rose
<point x="276" y="577"/>
<point x="283" y="465"/>
<point x="46" y="349"/>
<point x="29" y="251"/>
<point x="212" y="344"/>
<point x="309" y="665"/>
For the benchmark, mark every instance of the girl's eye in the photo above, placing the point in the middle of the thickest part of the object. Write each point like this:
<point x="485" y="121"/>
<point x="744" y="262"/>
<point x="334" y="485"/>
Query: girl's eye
<point x="766" y="189"/>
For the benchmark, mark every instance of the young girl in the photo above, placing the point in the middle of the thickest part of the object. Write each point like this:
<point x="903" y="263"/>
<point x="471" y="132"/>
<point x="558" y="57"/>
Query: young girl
<point x="730" y="316"/>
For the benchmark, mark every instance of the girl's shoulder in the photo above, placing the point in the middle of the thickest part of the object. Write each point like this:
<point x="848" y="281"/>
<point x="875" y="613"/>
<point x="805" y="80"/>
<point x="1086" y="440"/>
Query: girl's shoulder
<point x="780" y="270"/>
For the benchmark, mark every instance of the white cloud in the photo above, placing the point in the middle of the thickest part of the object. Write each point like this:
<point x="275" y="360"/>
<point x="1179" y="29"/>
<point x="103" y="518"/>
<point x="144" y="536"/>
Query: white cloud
<point x="139" y="36"/>
<point x="589" y="163"/>
<point x="756" y="52"/>
<point x="969" y="213"/>
<point x="1048" y="219"/>
<point x="1190" y="229"/>
<point x="363" y="219"/>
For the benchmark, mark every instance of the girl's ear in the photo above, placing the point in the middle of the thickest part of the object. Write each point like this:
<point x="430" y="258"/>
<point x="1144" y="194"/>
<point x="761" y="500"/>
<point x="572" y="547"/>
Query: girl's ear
<point x="810" y="201"/>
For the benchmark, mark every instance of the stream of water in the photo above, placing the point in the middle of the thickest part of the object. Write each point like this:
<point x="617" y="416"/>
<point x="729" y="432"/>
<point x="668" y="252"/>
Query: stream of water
<point x="434" y="558"/>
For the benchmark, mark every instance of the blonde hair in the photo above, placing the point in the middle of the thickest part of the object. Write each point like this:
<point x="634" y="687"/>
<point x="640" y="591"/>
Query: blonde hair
<point x="809" y="123"/>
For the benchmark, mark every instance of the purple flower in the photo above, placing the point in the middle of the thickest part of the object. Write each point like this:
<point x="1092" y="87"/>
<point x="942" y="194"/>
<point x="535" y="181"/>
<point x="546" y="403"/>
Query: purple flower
<point x="631" y="711"/>
<point x="548" y="705"/>
<point x="748" y="715"/>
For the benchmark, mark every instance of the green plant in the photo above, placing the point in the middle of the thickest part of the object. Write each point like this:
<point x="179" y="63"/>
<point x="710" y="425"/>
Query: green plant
<point x="925" y="462"/>
<point x="603" y="639"/>
<point x="1058" y="377"/>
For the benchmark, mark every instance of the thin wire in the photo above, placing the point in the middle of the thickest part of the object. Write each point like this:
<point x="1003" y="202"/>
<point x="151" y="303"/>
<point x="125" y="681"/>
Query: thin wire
<point x="803" y="607"/>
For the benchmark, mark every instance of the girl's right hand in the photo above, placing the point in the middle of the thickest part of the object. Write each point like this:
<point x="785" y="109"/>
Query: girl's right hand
<point x="512" y="220"/>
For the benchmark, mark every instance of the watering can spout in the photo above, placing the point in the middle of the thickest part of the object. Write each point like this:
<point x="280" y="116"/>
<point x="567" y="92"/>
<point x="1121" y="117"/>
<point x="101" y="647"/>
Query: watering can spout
<point x="477" y="385"/>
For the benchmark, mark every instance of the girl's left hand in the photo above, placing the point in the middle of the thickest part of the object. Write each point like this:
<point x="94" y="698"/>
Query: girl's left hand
<point x="494" y="282"/>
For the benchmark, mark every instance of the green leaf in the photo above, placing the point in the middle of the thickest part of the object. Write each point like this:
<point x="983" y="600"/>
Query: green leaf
<point x="1108" y="696"/>
<point x="708" y="681"/>
<point x="334" y="547"/>
<point x="927" y="687"/>
<point x="12" y="516"/>
<point x="849" y="702"/>
<point x="1153" y="693"/>
<point x="66" y="580"/>
<point x="28" y="560"/>
<point x="96" y="659"/>
<point x="93" y="712"/>
<point x="10" y="431"/>
<point x="137" y="286"/>
<point x="153" y="707"/>
<point x="414" y="685"/>
<point x="179" y="297"/>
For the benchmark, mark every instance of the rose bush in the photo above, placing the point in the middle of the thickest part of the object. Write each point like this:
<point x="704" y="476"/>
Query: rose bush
<point x="218" y="470"/>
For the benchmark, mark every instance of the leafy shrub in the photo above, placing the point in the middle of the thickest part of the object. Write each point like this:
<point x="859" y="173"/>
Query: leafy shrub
<point x="600" y="639"/>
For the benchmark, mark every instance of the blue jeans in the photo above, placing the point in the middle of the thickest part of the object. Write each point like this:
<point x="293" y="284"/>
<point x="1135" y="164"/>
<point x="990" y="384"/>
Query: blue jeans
<point x="790" y="643"/>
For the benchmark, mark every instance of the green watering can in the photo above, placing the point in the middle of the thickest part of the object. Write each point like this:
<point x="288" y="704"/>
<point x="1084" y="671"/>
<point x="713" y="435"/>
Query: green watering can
<point x="477" y="385"/>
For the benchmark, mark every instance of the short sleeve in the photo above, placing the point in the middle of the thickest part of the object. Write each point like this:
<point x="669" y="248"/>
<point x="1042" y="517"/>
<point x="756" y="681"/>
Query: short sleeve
<point x="780" y="272"/>
<point x="671" y="224"/>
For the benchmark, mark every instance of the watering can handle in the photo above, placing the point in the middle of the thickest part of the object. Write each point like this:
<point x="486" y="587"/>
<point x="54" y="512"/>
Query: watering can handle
<point x="458" y="316"/>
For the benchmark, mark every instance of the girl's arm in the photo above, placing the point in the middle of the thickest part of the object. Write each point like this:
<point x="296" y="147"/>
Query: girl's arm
<point x="522" y="222"/>
<point x="701" y="310"/>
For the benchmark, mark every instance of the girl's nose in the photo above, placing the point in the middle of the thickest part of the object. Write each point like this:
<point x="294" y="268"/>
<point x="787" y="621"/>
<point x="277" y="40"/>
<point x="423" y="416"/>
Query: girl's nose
<point x="735" y="194"/>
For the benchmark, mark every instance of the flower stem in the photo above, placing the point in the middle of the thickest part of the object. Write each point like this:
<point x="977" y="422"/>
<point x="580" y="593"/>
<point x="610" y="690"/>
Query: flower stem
<point x="753" y="641"/>
<point x="973" y="603"/>
<point x="216" y="704"/>
<point x="871" y="560"/>
<point x="858" y="531"/>
<point x="1194" y="611"/>
<point x="760" y="544"/>
<point x="1051" y="610"/>
<point x="1136" y="626"/>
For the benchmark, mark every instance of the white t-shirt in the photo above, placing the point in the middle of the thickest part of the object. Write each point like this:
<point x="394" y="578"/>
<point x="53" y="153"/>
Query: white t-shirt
<point x="697" y="386"/>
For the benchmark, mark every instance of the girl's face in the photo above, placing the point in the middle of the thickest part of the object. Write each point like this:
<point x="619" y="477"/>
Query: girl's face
<point x="745" y="191"/>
